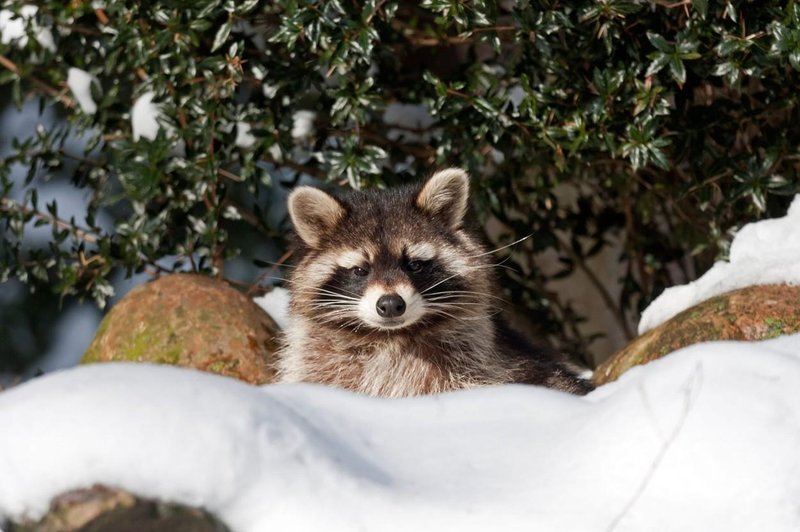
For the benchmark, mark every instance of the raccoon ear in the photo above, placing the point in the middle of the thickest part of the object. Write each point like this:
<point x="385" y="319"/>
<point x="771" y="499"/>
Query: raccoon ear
<point x="446" y="196"/>
<point x="313" y="213"/>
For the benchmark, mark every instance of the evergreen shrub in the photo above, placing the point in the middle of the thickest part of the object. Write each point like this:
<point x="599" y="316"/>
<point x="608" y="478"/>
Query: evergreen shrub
<point x="664" y="124"/>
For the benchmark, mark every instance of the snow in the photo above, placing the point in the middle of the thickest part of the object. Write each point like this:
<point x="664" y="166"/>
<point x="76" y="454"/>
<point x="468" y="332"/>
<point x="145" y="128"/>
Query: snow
<point x="276" y="304"/>
<point x="244" y="138"/>
<point x="516" y="95"/>
<point x="145" y="117"/>
<point x="764" y="252"/>
<point x="705" y="439"/>
<point x="80" y="83"/>
<point x="269" y="90"/>
<point x="12" y="28"/>
<point x="303" y="124"/>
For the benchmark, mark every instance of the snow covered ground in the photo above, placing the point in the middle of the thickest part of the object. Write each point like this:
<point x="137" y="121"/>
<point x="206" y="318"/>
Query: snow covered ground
<point x="705" y="439"/>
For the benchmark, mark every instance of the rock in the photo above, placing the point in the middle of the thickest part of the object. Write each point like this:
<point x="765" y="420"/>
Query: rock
<point x="193" y="321"/>
<point x="752" y="313"/>
<point x="103" y="509"/>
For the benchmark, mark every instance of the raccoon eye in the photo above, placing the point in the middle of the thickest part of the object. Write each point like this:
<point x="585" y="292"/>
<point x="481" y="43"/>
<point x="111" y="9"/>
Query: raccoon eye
<point x="414" y="266"/>
<point x="359" y="271"/>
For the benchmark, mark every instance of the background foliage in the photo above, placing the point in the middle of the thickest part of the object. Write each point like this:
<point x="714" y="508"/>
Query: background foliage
<point x="665" y="124"/>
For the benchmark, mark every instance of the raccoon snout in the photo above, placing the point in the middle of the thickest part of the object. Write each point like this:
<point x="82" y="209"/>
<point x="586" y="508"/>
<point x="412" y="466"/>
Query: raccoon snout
<point x="390" y="306"/>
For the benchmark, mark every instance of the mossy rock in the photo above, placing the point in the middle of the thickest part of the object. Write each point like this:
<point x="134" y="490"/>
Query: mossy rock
<point x="104" y="509"/>
<point x="752" y="313"/>
<point x="192" y="321"/>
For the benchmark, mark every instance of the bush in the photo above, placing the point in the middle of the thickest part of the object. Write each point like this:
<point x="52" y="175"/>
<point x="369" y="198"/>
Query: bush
<point x="666" y="123"/>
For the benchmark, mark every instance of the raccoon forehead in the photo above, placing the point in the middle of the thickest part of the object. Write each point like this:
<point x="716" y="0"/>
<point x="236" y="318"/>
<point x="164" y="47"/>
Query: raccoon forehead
<point x="420" y="250"/>
<point x="351" y="258"/>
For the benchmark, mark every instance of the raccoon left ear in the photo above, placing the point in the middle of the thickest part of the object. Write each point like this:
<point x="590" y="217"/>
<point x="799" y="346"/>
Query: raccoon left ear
<point x="314" y="213"/>
<point x="446" y="196"/>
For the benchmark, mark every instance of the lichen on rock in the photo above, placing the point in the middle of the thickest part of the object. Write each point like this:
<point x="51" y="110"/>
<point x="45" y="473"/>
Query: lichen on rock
<point x="193" y="321"/>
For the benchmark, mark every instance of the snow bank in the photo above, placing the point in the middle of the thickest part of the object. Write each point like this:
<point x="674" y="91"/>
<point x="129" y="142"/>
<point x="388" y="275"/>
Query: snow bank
<point x="276" y="304"/>
<point x="705" y="439"/>
<point x="765" y="252"/>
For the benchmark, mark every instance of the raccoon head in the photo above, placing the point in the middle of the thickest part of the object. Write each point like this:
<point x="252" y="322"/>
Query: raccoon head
<point x="396" y="260"/>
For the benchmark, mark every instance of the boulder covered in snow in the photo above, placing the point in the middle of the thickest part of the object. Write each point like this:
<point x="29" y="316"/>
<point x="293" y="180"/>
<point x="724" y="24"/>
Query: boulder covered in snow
<point x="192" y="321"/>
<point x="751" y="313"/>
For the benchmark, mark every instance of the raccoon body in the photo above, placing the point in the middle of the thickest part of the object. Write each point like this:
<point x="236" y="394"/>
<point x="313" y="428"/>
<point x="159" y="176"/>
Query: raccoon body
<point x="393" y="296"/>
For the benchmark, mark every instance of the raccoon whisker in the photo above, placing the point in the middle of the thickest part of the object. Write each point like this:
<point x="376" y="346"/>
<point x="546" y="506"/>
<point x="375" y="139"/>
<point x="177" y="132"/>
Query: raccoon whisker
<point x="276" y="278"/>
<point x="468" y="308"/>
<point x="444" y="296"/>
<point x="434" y="285"/>
<point x="333" y="315"/>
<point x="314" y="291"/>
<point x="452" y="276"/>
<point x="326" y="300"/>
<point x="514" y="243"/>
<point x="462" y="304"/>
<point x="440" y="312"/>
<point x="496" y="265"/>
<point x="329" y="309"/>
<point x="278" y="264"/>
<point x="335" y="318"/>
<point x="458" y="293"/>
<point x="335" y="306"/>
<point x="493" y="265"/>
<point x="509" y="268"/>
<point x="344" y="292"/>
<point x="460" y="318"/>
<point x="324" y="292"/>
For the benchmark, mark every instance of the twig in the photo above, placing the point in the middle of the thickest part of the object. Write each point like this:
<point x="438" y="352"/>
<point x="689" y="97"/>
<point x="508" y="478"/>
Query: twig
<point x="101" y="16"/>
<point x="44" y="87"/>
<point x="249" y="217"/>
<point x="419" y="39"/>
<point x="8" y="205"/>
<point x="274" y="268"/>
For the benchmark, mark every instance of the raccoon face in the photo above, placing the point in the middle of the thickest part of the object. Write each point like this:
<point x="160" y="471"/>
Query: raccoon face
<point x="393" y="260"/>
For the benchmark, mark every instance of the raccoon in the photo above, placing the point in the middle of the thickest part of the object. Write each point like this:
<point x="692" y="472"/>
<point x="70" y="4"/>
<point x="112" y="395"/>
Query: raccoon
<point x="394" y="296"/>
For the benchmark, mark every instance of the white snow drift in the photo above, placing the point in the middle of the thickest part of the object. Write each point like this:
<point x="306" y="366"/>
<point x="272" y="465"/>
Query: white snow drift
<point x="705" y="439"/>
<point x="765" y="252"/>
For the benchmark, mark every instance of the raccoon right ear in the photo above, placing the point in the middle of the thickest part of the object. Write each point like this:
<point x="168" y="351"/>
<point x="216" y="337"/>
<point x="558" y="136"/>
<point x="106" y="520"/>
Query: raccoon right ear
<point x="446" y="196"/>
<point x="313" y="213"/>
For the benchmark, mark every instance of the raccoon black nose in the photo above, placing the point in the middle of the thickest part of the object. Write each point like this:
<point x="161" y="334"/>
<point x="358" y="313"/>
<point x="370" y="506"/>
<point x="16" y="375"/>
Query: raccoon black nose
<point x="390" y="306"/>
